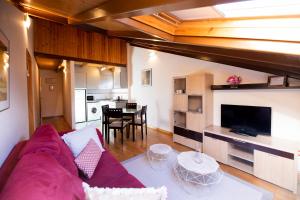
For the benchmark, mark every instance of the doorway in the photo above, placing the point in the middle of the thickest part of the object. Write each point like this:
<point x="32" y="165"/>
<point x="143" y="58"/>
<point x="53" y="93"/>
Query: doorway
<point x="30" y="92"/>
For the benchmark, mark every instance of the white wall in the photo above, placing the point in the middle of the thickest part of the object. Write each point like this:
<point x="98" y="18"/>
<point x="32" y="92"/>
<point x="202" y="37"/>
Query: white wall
<point x="69" y="108"/>
<point x="285" y="103"/>
<point x="14" y="121"/>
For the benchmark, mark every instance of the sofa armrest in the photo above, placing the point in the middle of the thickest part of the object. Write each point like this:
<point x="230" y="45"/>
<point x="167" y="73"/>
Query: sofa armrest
<point x="10" y="163"/>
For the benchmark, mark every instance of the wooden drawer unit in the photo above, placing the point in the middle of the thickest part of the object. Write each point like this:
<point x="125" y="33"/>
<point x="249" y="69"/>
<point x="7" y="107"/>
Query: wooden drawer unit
<point x="194" y="121"/>
<point x="188" y="138"/>
<point x="271" y="159"/>
<point x="194" y="84"/>
<point x="188" y="142"/>
<point x="276" y="169"/>
<point x="180" y="102"/>
<point x="215" y="148"/>
<point x="188" y="134"/>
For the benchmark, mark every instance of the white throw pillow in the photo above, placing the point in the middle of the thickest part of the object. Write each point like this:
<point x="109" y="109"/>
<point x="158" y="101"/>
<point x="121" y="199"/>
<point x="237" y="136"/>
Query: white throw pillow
<point x="95" y="193"/>
<point x="78" y="139"/>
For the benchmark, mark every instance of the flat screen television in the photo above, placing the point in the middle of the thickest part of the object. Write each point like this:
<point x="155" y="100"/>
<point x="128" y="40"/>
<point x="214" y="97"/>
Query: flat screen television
<point x="248" y="120"/>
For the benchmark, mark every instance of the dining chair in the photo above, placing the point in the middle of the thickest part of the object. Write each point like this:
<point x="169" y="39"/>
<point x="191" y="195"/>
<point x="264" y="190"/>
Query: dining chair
<point x="141" y="120"/>
<point x="105" y="119"/>
<point x="131" y="105"/>
<point x="116" y="122"/>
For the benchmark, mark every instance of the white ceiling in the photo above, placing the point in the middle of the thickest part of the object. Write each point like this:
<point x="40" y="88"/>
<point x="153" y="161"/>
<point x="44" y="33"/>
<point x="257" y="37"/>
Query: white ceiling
<point x="198" y="13"/>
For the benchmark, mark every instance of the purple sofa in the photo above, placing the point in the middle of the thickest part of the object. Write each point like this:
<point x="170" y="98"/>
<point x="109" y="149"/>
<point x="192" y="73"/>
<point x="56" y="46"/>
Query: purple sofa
<point x="43" y="168"/>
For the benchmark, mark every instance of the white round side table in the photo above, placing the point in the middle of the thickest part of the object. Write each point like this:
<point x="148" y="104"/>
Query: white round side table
<point x="158" y="155"/>
<point x="197" y="168"/>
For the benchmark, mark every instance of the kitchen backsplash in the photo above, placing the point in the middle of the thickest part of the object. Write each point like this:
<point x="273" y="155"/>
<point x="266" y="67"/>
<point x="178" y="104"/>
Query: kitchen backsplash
<point x="108" y="94"/>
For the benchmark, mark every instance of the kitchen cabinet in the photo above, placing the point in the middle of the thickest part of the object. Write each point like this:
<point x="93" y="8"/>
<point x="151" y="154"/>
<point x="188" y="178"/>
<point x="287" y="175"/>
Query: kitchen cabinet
<point x="80" y="80"/>
<point x="120" y="77"/>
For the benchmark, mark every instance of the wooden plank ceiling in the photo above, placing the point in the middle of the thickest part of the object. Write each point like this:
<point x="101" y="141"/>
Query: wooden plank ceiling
<point x="267" y="44"/>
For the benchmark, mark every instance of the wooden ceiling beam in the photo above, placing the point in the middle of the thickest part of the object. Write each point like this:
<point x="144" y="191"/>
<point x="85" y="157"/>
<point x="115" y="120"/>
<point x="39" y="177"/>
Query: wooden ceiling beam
<point x="115" y="9"/>
<point x="157" y="23"/>
<point x="132" y="35"/>
<point x="275" y="29"/>
<point x="40" y="13"/>
<point x="146" y="29"/>
<point x="282" y="64"/>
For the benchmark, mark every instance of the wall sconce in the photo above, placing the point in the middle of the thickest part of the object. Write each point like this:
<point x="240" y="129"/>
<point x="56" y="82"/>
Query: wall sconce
<point x="27" y="20"/>
<point x="152" y="55"/>
<point x="5" y="60"/>
<point x="102" y="69"/>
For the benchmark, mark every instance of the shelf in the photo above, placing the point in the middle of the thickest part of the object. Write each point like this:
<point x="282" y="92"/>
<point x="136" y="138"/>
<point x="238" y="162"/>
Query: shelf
<point x="180" y="119"/>
<point x="250" y="87"/>
<point x="195" y="103"/>
<point x="244" y="166"/>
<point x="241" y="154"/>
<point x="179" y="85"/>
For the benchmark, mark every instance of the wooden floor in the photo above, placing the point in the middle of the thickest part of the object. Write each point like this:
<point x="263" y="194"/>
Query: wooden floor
<point x="130" y="149"/>
<point x="58" y="122"/>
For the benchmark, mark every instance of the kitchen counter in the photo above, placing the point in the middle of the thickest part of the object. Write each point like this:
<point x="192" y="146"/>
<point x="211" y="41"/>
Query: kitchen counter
<point x="114" y="103"/>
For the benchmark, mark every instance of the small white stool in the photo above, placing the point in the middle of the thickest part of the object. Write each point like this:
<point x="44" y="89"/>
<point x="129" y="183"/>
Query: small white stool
<point x="158" y="155"/>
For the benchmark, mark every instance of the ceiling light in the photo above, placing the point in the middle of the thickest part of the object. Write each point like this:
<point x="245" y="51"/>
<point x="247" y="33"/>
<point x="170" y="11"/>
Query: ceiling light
<point x="27" y="21"/>
<point x="259" y="8"/>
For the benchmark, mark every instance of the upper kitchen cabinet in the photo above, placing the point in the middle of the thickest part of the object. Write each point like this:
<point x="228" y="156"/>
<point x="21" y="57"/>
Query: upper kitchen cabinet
<point x="80" y="80"/>
<point x="120" y="77"/>
<point x="72" y="43"/>
<point x="106" y="79"/>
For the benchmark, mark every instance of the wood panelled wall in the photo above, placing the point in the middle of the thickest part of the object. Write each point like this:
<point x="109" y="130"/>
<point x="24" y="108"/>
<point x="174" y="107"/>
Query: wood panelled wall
<point x="69" y="42"/>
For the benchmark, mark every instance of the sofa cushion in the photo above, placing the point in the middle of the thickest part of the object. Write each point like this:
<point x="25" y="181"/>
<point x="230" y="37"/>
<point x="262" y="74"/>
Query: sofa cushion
<point x="78" y="139"/>
<point x="61" y="133"/>
<point x="110" y="173"/>
<point x="39" y="176"/>
<point x="46" y="139"/>
<point x="88" y="158"/>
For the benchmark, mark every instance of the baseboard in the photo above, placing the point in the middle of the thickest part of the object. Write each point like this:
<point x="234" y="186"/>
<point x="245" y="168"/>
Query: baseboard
<point x="160" y="130"/>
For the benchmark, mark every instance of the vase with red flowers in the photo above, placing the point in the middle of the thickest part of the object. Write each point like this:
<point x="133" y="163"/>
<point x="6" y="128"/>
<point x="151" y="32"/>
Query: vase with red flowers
<point x="234" y="81"/>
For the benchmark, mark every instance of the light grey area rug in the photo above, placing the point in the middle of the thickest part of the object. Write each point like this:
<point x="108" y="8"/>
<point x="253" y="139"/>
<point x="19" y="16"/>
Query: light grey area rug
<point x="230" y="187"/>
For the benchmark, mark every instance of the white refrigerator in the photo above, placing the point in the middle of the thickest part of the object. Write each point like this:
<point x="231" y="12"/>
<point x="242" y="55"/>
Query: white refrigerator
<point x="80" y="105"/>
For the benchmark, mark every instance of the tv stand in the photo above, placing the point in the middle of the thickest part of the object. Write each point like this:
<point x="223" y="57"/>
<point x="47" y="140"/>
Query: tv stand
<point x="269" y="158"/>
<point x="244" y="131"/>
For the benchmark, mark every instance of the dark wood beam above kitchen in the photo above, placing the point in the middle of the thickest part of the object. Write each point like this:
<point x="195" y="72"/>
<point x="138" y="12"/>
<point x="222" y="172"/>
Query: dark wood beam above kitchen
<point x="115" y="9"/>
<point x="65" y="41"/>
<point x="268" y="62"/>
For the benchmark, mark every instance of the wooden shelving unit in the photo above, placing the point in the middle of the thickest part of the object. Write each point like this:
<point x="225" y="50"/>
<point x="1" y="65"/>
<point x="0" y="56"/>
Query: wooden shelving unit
<point x="192" y="108"/>
<point x="251" y="87"/>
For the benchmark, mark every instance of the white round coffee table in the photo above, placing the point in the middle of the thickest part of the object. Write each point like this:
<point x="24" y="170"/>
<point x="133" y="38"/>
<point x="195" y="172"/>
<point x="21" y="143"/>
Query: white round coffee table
<point x="197" y="168"/>
<point x="158" y="155"/>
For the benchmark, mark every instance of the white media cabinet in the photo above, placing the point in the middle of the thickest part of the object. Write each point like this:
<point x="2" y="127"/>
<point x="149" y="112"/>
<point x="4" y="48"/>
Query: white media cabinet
<point x="269" y="158"/>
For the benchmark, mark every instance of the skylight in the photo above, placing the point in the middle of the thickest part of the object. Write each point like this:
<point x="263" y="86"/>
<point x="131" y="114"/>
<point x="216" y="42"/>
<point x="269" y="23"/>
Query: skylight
<point x="257" y="8"/>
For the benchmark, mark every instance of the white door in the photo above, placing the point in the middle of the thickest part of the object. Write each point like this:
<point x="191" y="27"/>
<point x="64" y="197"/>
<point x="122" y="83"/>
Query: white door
<point x="80" y="106"/>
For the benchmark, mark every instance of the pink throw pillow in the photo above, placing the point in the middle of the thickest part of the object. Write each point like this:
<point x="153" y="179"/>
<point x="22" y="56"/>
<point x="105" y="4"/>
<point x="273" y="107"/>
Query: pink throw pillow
<point x="88" y="158"/>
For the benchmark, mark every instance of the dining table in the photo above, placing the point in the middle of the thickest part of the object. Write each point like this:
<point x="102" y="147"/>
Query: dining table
<point x="131" y="112"/>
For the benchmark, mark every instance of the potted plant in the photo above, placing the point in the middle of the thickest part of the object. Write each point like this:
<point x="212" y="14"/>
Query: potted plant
<point x="234" y="81"/>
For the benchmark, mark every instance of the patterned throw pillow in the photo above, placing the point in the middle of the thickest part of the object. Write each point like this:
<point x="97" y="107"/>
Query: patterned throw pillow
<point x="88" y="158"/>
